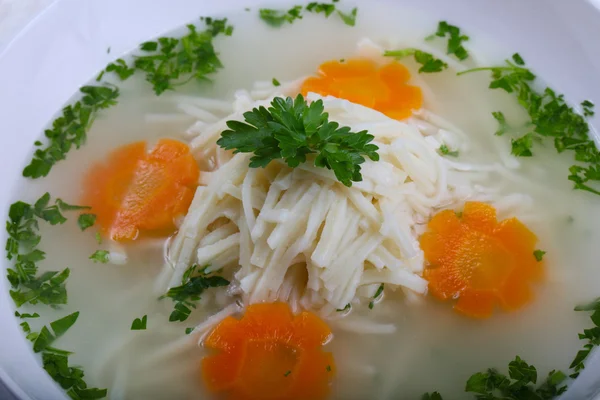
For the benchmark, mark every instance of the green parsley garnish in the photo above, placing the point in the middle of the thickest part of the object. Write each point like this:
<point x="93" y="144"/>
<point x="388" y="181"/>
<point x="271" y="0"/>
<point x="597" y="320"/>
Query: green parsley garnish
<point x="591" y="336"/>
<point x="70" y="129"/>
<point x="550" y="117"/>
<point x="276" y="82"/>
<point x="427" y="61"/>
<point x="346" y="308"/>
<point x="277" y="18"/>
<point x="25" y="315"/>
<point x="193" y="284"/>
<point x="503" y="126"/>
<point x="85" y="221"/>
<point x="189" y="330"/>
<point x="22" y="247"/>
<point x="455" y="40"/>
<point x="45" y="337"/>
<point x="328" y="368"/>
<point x="291" y="130"/>
<point x="100" y="256"/>
<point x="539" y="255"/>
<point x="432" y="396"/>
<point x="175" y="61"/>
<point x="287" y="373"/>
<point x="376" y="296"/>
<point x="139" y="324"/>
<point x="98" y="238"/>
<point x="588" y="108"/>
<point x="445" y="151"/>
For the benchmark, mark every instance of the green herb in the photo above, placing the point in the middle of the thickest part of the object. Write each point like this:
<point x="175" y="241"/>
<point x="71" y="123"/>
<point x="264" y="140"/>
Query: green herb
<point x="291" y="130"/>
<point x="427" y="61"/>
<point x="445" y="151"/>
<point x="193" y="284"/>
<point x="588" y="108"/>
<point x="591" y="336"/>
<point x="325" y="8"/>
<point x="287" y="373"/>
<point x="455" y="40"/>
<point x="22" y="247"/>
<point x="86" y="220"/>
<point x="276" y="82"/>
<point x="70" y="129"/>
<point x="45" y="338"/>
<point x="98" y="238"/>
<point x="139" y="324"/>
<point x="539" y="255"/>
<point x="63" y="206"/>
<point x="24" y="315"/>
<point x="175" y="61"/>
<point x="346" y="308"/>
<point x="328" y="368"/>
<point x="349" y="18"/>
<point x="277" y="18"/>
<point x="432" y="396"/>
<point x="100" y="256"/>
<point x="503" y="126"/>
<point x="376" y="296"/>
<point x="69" y="378"/>
<point x="189" y="330"/>
<point x="551" y="117"/>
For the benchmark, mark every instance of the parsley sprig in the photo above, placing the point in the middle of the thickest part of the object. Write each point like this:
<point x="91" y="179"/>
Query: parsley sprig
<point x="56" y="361"/>
<point x="455" y="39"/>
<point x="550" y="117"/>
<point x="291" y="130"/>
<point x="70" y="129"/>
<point x="194" y="282"/>
<point x="22" y="247"/>
<point x="172" y="62"/>
<point x="591" y="336"/>
<point x="520" y="384"/>
<point x="277" y="18"/>
<point x="427" y="61"/>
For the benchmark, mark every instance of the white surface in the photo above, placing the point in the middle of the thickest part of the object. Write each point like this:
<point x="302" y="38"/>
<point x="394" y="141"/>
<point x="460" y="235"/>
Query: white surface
<point x="67" y="45"/>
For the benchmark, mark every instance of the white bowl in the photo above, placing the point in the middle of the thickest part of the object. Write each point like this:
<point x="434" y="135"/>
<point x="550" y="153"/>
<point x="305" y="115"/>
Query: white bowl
<point x="66" y="45"/>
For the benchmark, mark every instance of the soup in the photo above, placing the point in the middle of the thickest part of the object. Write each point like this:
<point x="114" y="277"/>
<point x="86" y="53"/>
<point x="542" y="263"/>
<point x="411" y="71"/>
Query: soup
<point x="397" y="228"/>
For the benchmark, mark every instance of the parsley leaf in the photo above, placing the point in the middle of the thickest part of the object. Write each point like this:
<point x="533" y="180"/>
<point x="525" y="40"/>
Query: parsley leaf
<point x="70" y="129"/>
<point x="293" y="129"/>
<point x="588" y="108"/>
<point x="175" y="61"/>
<point x="349" y="18"/>
<point x="276" y="82"/>
<point x="45" y="338"/>
<point x="139" y="324"/>
<point x="277" y="18"/>
<point x="189" y="330"/>
<point x="503" y="126"/>
<point x="85" y="221"/>
<point x="428" y="62"/>
<point x="539" y="255"/>
<point x="346" y="308"/>
<point x="445" y="151"/>
<point x="100" y="256"/>
<point x="455" y="40"/>
<point x="193" y="284"/>
<point x="551" y="118"/>
<point x="432" y="396"/>
<point x="591" y="336"/>
<point x="325" y="8"/>
<point x="69" y="378"/>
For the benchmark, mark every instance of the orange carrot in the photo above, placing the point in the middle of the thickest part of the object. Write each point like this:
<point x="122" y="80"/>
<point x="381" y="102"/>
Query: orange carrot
<point x="363" y="82"/>
<point x="480" y="261"/>
<point x="269" y="354"/>
<point x="135" y="191"/>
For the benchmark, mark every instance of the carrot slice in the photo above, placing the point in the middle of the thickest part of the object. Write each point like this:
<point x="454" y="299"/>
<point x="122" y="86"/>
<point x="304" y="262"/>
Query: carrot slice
<point x="363" y="82"/>
<point x="269" y="354"/>
<point x="480" y="261"/>
<point x="135" y="191"/>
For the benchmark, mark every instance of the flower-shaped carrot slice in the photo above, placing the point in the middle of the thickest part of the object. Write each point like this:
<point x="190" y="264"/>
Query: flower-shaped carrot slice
<point x="269" y="354"/>
<point x="135" y="191"/>
<point x="480" y="261"/>
<point x="363" y="82"/>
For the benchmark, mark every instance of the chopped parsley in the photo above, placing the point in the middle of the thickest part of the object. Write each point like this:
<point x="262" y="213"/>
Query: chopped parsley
<point x="276" y="82"/>
<point x="376" y="296"/>
<point x="503" y="126"/>
<point x="427" y="61"/>
<point x="100" y="256"/>
<point x="98" y="238"/>
<point x="25" y="315"/>
<point x="328" y="368"/>
<point x="139" y="324"/>
<point x="85" y="221"/>
<point x="551" y="117"/>
<point x="287" y="373"/>
<point x="277" y="18"/>
<point x="455" y="39"/>
<point x="193" y="284"/>
<point x="173" y="62"/>
<point x="539" y="255"/>
<point x="291" y="130"/>
<point x="591" y="336"/>
<point x="445" y="151"/>
<point x="189" y="330"/>
<point x="346" y="308"/>
<point x="22" y="248"/>
<point x="70" y="129"/>
<point x="432" y="396"/>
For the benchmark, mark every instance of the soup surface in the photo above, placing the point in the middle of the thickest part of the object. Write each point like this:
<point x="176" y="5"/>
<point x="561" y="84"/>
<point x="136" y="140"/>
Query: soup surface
<point x="397" y="337"/>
